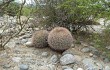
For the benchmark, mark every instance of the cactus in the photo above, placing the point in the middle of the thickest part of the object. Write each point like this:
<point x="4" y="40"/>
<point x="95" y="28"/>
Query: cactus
<point x="39" y="38"/>
<point x="60" y="39"/>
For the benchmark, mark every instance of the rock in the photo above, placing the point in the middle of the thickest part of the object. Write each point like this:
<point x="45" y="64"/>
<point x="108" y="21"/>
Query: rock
<point x="107" y="68"/>
<point x="77" y="58"/>
<point x="26" y="36"/>
<point x="52" y="67"/>
<point x="24" y="67"/>
<point x="84" y="44"/>
<point x="6" y="66"/>
<point x="17" y="42"/>
<point x="36" y="29"/>
<point x="90" y="54"/>
<point x="1" y="31"/>
<point x="94" y="51"/>
<point x="91" y="64"/>
<point x="95" y="57"/>
<point x="108" y="47"/>
<point x="72" y="51"/>
<point x="28" y="44"/>
<point x="44" y="54"/>
<point x="85" y="50"/>
<point x="79" y="69"/>
<point x="16" y="59"/>
<point x="67" y="59"/>
<point x="24" y="41"/>
<point x="106" y="60"/>
<point x="10" y="44"/>
<point x="54" y="59"/>
<point x="43" y="68"/>
<point x="40" y="63"/>
<point x="66" y="68"/>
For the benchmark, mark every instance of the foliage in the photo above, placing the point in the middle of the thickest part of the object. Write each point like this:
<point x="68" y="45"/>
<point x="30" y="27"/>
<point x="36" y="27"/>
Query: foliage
<point x="28" y="10"/>
<point x="60" y="39"/>
<point x="12" y="9"/>
<point x="73" y="13"/>
<point x="102" y="41"/>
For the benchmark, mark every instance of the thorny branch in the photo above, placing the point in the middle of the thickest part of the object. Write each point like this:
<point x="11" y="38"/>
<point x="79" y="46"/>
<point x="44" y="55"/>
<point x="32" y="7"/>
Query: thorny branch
<point x="20" y="23"/>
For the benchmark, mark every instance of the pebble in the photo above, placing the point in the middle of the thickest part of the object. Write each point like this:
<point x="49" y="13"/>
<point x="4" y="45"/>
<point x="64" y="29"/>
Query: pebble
<point x="66" y="68"/>
<point x="90" y="54"/>
<point x="24" y="41"/>
<point x="67" y="59"/>
<point x="44" y="54"/>
<point x="107" y="68"/>
<point x="85" y="50"/>
<point x="52" y="67"/>
<point x="106" y="60"/>
<point x="24" y="67"/>
<point x="16" y="59"/>
<point x="54" y="59"/>
<point x="7" y="66"/>
<point x="28" y="44"/>
<point x="79" y="69"/>
<point x="43" y="68"/>
<point x="90" y="64"/>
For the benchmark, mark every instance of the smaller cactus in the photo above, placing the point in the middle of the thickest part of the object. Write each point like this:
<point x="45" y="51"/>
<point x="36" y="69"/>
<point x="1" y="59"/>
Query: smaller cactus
<point x="39" y="38"/>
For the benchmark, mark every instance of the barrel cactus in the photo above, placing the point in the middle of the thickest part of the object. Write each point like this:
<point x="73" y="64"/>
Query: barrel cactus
<point x="39" y="38"/>
<point x="60" y="39"/>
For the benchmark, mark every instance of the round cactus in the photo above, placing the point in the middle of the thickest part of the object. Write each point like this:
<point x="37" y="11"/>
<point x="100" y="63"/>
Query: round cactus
<point x="39" y="38"/>
<point x="60" y="39"/>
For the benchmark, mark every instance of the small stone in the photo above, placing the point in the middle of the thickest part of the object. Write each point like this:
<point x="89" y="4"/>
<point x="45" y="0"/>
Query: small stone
<point x="43" y="68"/>
<point x="16" y="59"/>
<point x="6" y="66"/>
<point x="66" y="68"/>
<point x="24" y="67"/>
<point x="10" y="44"/>
<point x="44" y="54"/>
<point x="90" y="54"/>
<point x="94" y="51"/>
<point x="24" y="41"/>
<point x="85" y="50"/>
<point x="52" y="67"/>
<point x="79" y="69"/>
<point x="54" y="59"/>
<point x="108" y="47"/>
<point x="77" y="58"/>
<point x="28" y="44"/>
<point x="91" y="64"/>
<point x="106" y="60"/>
<point x="107" y="68"/>
<point x="84" y="44"/>
<point x="67" y="59"/>
<point x="94" y="56"/>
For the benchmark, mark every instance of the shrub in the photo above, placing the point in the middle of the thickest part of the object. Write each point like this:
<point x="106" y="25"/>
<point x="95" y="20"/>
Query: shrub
<point x="39" y="38"/>
<point x="60" y="39"/>
<point x="102" y="41"/>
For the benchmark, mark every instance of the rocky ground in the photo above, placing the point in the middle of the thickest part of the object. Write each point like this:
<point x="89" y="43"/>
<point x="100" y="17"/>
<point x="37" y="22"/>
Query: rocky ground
<point x="19" y="55"/>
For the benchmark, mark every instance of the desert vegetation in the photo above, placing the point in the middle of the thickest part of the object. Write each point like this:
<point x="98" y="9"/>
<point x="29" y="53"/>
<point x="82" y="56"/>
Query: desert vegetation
<point x="62" y="25"/>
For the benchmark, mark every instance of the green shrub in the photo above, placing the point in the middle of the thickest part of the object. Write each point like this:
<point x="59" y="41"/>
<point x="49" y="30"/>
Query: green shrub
<point x="102" y="41"/>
